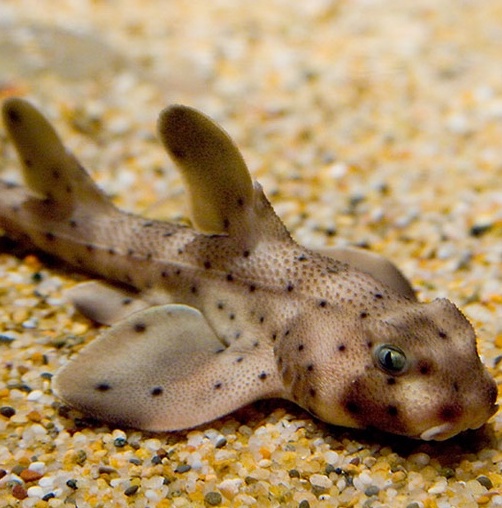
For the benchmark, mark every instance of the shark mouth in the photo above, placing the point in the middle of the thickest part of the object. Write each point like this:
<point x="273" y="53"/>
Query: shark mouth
<point x="438" y="432"/>
<point x="447" y="430"/>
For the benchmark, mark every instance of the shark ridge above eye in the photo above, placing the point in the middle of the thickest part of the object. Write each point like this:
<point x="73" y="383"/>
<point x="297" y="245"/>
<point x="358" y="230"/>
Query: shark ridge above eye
<point x="208" y="318"/>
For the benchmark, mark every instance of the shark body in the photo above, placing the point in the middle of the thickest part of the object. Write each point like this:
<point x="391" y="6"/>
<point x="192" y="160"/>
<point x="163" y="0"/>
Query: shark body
<point x="208" y="318"/>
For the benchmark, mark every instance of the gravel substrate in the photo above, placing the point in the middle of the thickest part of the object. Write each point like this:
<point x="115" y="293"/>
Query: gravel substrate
<point x="376" y="123"/>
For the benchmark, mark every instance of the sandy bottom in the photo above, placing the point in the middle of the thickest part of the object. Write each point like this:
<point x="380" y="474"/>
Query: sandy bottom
<point x="368" y="123"/>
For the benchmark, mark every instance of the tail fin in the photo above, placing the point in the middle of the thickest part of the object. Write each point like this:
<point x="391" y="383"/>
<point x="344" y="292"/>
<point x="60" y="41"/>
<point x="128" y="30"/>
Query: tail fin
<point x="50" y="172"/>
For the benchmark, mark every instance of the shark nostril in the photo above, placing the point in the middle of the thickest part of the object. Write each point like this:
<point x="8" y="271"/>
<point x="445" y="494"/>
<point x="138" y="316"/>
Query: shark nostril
<point x="450" y="412"/>
<point x="492" y="394"/>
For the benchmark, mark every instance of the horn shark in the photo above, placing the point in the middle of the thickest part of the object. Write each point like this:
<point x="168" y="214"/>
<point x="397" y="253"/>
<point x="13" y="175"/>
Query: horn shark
<point x="210" y="317"/>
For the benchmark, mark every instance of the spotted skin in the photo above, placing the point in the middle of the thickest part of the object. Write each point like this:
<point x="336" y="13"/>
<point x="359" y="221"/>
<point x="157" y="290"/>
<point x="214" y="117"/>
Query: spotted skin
<point x="208" y="318"/>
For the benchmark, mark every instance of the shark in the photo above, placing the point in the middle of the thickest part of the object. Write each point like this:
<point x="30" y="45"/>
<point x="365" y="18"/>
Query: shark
<point x="206" y="317"/>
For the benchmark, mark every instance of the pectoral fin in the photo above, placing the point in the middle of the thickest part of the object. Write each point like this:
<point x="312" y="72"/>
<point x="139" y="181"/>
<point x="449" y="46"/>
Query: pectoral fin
<point x="219" y="186"/>
<point x="163" y="369"/>
<point x="373" y="264"/>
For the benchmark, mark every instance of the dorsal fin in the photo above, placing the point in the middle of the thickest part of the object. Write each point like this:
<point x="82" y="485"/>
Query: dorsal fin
<point x="50" y="171"/>
<point x="219" y="185"/>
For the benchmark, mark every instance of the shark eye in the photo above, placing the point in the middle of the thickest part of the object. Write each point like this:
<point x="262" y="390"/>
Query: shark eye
<point x="391" y="359"/>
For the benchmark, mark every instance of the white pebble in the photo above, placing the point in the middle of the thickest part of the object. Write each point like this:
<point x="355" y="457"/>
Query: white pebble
<point x="337" y="170"/>
<point x="153" y="496"/>
<point x="46" y="482"/>
<point x="497" y="500"/>
<point x="362" y="481"/>
<point x="153" y="444"/>
<point x="245" y="430"/>
<point x="80" y="440"/>
<point x="264" y="463"/>
<point x="475" y="488"/>
<point x="260" y="474"/>
<point x="223" y="455"/>
<point x="155" y="482"/>
<point x="230" y="487"/>
<point x="445" y="251"/>
<point x="341" y="484"/>
<point x="35" y="491"/>
<point x="458" y="124"/>
<point x="49" y="285"/>
<point x="484" y="93"/>
<point x="214" y="436"/>
<point x="38" y="466"/>
<point x="195" y="460"/>
<point x="439" y="487"/>
<point x="195" y="439"/>
<point x="31" y="323"/>
<point x="34" y="395"/>
<point x="365" y="478"/>
<point x="320" y="480"/>
<point x="331" y="457"/>
<point x="55" y="302"/>
<point x="118" y="433"/>
<point x="420" y="459"/>
<point x="34" y="431"/>
<point x="16" y="394"/>
<point x="10" y="335"/>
